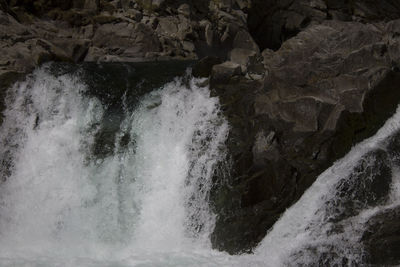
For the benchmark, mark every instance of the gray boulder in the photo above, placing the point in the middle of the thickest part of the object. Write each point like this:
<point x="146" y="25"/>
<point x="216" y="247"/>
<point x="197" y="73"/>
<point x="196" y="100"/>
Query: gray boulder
<point x="381" y="238"/>
<point x="324" y="90"/>
<point x="244" y="40"/>
<point x="225" y="71"/>
<point x="243" y="57"/>
<point x="123" y="40"/>
<point x="271" y="22"/>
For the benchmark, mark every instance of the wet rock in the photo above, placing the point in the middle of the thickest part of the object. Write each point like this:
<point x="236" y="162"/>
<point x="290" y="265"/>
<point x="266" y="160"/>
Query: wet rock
<point x="157" y="3"/>
<point x="242" y="4"/>
<point x="124" y="40"/>
<point x="324" y="90"/>
<point x="367" y="186"/>
<point x="244" y="40"/>
<point x="127" y="4"/>
<point x="292" y="112"/>
<point x="184" y="9"/>
<point x="131" y="30"/>
<point x="381" y="238"/>
<point x="243" y="57"/>
<point x="92" y="5"/>
<point x="204" y="66"/>
<point x="223" y="72"/>
<point x="168" y="26"/>
<point x="134" y="15"/>
<point x="272" y="22"/>
<point x="7" y="79"/>
<point x="209" y="34"/>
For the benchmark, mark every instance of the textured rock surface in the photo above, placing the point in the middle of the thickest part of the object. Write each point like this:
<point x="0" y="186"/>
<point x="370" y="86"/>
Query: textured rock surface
<point x="122" y="30"/>
<point x="382" y="238"/>
<point x="300" y="82"/>
<point x="324" y="90"/>
<point x="274" y="21"/>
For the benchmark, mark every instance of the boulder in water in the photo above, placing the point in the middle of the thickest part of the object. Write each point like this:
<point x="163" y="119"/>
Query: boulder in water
<point x="382" y="238"/>
<point x="324" y="90"/>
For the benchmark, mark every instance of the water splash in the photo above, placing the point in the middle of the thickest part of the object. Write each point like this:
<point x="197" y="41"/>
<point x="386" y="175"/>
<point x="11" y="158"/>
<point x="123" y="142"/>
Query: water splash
<point x="148" y="197"/>
<point x="146" y="203"/>
<point x="326" y="225"/>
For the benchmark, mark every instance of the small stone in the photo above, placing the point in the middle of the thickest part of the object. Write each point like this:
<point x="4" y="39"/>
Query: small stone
<point x="157" y="3"/>
<point x="242" y="4"/>
<point x="244" y="40"/>
<point x="167" y="26"/>
<point x="188" y="46"/>
<point x="209" y="35"/>
<point x="223" y="72"/>
<point x="92" y="5"/>
<point x="267" y="55"/>
<point x="254" y="76"/>
<point x="184" y="9"/>
<point x="134" y="15"/>
<point x="242" y="57"/>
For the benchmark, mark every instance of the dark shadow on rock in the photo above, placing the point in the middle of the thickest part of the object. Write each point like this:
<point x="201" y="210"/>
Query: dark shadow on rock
<point x="325" y="90"/>
<point x="271" y="22"/>
<point x="382" y="238"/>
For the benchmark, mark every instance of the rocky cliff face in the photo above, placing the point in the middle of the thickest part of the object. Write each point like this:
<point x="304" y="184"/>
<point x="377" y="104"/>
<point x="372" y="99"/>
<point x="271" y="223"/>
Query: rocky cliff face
<point x="272" y="22"/>
<point x="34" y="32"/>
<point x="294" y="111"/>
<point x="300" y="81"/>
<point x="121" y="30"/>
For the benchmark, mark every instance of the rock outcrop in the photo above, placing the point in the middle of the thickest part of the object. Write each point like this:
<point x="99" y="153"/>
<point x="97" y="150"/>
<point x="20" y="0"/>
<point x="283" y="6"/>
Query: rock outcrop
<point x="121" y="30"/>
<point x="324" y="90"/>
<point x="300" y="81"/>
<point x="382" y="238"/>
<point x="272" y="21"/>
<point x="34" y="32"/>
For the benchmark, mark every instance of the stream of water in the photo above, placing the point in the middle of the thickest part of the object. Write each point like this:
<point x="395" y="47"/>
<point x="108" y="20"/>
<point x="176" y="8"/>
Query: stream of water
<point x="89" y="183"/>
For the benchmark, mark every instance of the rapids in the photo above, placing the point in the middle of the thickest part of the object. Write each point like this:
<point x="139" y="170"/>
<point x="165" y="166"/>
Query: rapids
<point x="89" y="181"/>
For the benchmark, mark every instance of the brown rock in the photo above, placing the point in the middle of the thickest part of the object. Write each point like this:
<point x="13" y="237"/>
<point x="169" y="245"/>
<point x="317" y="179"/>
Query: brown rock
<point x="223" y="72"/>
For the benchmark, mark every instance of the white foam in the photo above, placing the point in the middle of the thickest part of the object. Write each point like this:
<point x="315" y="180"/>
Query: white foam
<point x="304" y="224"/>
<point x="149" y="198"/>
<point x="146" y="204"/>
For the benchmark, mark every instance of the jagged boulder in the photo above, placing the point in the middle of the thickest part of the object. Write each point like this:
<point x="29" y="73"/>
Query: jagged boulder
<point x="123" y="42"/>
<point x="381" y="238"/>
<point x="272" y="21"/>
<point x="324" y="90"/>
<point x="204" y="66"/>
<point x="223" y="72"/>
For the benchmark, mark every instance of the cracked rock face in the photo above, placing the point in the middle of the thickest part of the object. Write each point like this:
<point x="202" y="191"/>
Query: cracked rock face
<point x="324" y="90"/>
<point x="300" y="81"/>
<point x="119" y="31"/>
<point x="271" y="22"/>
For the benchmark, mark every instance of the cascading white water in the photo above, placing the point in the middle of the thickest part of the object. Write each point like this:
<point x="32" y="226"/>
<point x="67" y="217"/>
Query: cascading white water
<point x="146" y="204"/>
<point x="307" y="231"/>
<point x="147" y="198"/>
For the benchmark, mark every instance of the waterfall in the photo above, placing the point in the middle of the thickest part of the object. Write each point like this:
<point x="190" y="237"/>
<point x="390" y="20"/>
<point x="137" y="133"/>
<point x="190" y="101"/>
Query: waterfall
<point x="325" y="226"/>
<point x="86" y="183"/>
<point x="60" y="200"/>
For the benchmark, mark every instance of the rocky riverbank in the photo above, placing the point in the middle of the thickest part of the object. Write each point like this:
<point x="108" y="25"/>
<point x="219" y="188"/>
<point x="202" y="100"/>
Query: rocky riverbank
<point x="326" y="89"/>
<point x="34" y="32"/>
<point x="300" y="81"/>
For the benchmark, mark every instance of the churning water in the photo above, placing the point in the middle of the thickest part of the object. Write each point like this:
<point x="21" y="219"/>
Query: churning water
<point x="89" y="183"/>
